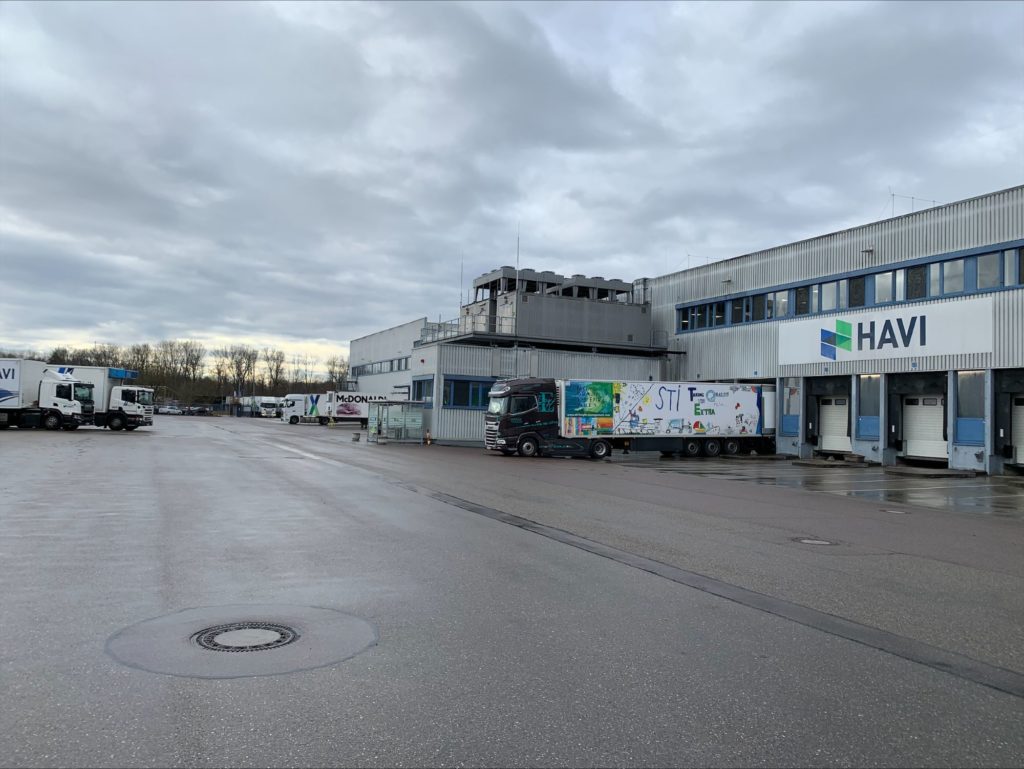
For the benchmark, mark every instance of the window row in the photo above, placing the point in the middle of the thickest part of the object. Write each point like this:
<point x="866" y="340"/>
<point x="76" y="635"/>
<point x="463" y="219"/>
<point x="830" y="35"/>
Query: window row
<point x="926" y="281"/>
<point x="381" y="367"/>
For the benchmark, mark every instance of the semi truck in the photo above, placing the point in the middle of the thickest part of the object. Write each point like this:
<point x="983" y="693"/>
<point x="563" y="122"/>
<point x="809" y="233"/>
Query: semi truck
<point x="37" y="394"/>
<point x="119" y="403"/>
<point x="336" y="405"/>
<point x="572" y="417"/>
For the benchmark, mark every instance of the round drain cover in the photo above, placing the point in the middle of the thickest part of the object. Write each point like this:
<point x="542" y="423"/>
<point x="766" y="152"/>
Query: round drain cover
<point x="277" y="638"/>
<point x="244" y="637"/>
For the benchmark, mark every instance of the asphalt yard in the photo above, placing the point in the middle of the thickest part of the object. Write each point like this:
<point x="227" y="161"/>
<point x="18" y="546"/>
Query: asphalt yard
<point x="921" y="486"/>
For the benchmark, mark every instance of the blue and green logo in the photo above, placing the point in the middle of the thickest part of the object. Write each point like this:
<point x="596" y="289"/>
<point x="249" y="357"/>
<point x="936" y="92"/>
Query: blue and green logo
<point x="841" y="338"/>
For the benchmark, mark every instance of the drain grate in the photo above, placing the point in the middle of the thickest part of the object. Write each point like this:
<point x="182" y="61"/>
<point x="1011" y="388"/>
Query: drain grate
<point x="245" y="637"/>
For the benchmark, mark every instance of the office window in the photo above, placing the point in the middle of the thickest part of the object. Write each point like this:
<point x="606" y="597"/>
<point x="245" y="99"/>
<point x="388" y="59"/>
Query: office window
<point x="781" y="304"/>
<point x="934" y="279"/>
<point x="737" y="311"/>
<point x="1019" y="277"/>
<point x="970" y="394"/>
<point x="757" y="308"/>
<point x="702" y="316"/>
<point x="842" y="296"/>
<point x="718" y="319"/>
<point x="815" y="301"/>
<point x="423" y="389"/>
<point x="461" y="393"/>
<point x="857" y="291"/>
<point x="917" y="282"/>
<point x="884" y="287"/>
<point x="683" y="317"/>
<point x="899" y="294"/>
<point x="828" y="296"/>
<point x="952" y="276"/>
<point x="803" y="300"/>
<point x="988" y="271"/>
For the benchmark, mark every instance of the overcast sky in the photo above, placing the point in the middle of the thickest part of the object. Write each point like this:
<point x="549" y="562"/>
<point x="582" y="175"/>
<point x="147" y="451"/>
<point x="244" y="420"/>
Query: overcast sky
<point x="302" y="175"/>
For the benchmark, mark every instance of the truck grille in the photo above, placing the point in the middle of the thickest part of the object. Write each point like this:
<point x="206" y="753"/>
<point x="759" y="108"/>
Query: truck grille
<point x="491" y="435"/>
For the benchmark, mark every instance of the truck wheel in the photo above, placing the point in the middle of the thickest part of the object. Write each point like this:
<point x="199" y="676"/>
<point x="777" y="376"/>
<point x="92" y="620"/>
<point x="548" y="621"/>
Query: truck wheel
<point x="52" y="421"/>
<point x="323" y="421"/>
<point x="600" y="449"/>
<point x="528" y="447"/>
<point x="730" y="446"/>
<point x="116" y="423"/>
<point x="294" y="420"/>
<point x="691" y="448"/>
<point x="712" y="447"/>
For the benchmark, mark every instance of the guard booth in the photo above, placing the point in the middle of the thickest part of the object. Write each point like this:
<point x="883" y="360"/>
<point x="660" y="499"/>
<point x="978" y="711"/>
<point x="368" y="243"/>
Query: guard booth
<point x="395" y="421"/>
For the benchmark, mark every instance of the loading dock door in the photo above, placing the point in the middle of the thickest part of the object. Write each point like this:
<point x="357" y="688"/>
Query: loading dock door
<point x="924" y="420"/>
<point x="1017" y="429"/>
<point x="834" y="418"/>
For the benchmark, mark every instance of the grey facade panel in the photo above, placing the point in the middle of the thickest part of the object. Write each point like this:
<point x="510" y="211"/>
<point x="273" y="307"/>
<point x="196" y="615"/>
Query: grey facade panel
<point x="505" y="362"/>
<point x="978" y="222"/>
<point x="1009" y="323"/>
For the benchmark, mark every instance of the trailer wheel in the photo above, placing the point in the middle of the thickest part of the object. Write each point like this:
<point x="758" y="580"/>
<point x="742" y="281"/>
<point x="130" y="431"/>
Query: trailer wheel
<point x="323" y="421"/>
<point x="691" y="448"/>
<point x="600" y="449"/>
<point x="52" y="421"/>
<point x="528" y="447"/>
<point x="116" y="422"/>
<point x="293" y="420"/>
<point x="730" y="446"/>
<point x="712" y="447"/>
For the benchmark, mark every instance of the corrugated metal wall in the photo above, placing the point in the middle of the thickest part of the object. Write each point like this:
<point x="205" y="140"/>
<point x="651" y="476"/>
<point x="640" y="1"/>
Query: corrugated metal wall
<point x="751" y="351"/>
<point x="499" y="362"/>
<point x="981" y="221"/>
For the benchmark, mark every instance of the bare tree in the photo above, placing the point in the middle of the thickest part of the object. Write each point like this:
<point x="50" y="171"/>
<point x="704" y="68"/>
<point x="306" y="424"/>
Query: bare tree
<point x="337" y="370"/>
<point x="138" y="357"/>
<point x="242" y="366"/>
<point x="273" y="364"/>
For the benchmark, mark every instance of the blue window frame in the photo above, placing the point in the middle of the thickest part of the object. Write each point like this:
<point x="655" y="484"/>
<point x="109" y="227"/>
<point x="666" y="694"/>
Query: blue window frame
<point x="465" y="393"/>
<point x="423" y="390"/>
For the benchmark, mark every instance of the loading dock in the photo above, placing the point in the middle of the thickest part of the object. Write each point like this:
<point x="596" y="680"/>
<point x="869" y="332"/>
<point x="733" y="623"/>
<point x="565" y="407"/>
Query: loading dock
<point x="924" y="427"/>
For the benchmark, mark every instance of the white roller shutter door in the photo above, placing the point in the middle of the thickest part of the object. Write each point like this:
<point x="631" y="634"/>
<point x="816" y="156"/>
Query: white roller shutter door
<point x="923" y="419"/>
<point x="834" y="416"/>
<point x="1017" y="429"/>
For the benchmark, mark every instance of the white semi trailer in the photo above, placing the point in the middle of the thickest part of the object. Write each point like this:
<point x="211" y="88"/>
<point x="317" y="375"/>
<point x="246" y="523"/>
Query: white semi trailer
<point x="37" y="394"/>
<point x="118" y="403"/>
<point x="334" y="405"/>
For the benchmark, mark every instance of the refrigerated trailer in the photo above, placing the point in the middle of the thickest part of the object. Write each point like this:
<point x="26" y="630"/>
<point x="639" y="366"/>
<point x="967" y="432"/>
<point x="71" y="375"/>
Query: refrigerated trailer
<point x="570" y="417"/>
<point x="37" y="394"/>
<point x="334" y="405"/>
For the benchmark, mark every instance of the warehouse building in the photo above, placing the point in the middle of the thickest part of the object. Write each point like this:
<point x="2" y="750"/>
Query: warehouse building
<point x="897" y="340"/>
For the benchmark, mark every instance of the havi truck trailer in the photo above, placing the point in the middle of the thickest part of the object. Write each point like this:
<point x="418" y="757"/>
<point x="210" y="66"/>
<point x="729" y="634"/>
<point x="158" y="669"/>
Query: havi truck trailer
<point x="120" y="404"/>
<point x="570" y="417"/>
<point x="36" y="394"/>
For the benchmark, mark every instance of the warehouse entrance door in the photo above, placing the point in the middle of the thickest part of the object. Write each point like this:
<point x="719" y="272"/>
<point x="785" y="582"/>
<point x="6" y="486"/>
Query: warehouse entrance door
<point x="1017" y="429"/>
<point x="924" y="427"/>
<point x="834" y="419"/>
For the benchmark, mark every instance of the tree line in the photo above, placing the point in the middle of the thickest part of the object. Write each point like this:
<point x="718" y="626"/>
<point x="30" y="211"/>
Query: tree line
<point x="185" y="371"/>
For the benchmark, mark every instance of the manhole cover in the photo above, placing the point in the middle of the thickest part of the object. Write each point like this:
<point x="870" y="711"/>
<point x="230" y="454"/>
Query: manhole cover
<point x="812" y="541"/>
<point x="245" y="637"/>
<point x="298" y="637"/>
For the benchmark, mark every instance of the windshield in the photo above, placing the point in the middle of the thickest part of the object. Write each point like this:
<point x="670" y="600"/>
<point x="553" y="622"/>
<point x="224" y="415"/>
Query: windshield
<point x="83" y="393"/>
<point x="497" y="406"/>
<point x="145" y="397"/>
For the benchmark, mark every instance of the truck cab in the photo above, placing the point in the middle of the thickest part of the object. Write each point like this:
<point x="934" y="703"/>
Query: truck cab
<point x="522" y="416"/>
<point x="64" y="394"/>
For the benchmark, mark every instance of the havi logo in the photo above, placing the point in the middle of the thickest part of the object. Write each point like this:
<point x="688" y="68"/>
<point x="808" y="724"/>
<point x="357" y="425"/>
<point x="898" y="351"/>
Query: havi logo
<point x="841" y="338"/>
<point x="870" y="336"/>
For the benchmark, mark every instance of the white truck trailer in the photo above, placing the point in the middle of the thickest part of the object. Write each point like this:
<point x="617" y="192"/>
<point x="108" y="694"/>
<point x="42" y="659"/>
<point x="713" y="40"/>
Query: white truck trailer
<point x="37" y="394"/>
<point x="584" y="417"/>
<point x="334" y="405"/>
<point x="119" y="403"/>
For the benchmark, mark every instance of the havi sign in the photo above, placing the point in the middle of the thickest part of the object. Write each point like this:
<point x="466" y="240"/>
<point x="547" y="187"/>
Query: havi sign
<point x="913" y="330"/>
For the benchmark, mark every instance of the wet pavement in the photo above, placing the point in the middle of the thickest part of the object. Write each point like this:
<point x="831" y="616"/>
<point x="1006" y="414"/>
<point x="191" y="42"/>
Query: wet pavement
<point x="997" y="495"/>
<point x="447" y="606"/>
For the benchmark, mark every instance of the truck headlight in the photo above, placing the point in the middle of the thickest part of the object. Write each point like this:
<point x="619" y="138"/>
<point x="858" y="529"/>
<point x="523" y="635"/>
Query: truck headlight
<point x="500" y="441"/>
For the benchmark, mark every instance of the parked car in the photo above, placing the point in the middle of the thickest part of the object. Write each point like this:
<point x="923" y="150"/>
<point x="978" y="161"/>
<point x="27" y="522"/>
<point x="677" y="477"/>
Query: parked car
<point x="171" y="410"/>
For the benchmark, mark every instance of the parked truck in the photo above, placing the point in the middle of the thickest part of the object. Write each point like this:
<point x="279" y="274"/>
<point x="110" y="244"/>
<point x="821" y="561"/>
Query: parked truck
<point x="334" y="405"/>
<point x="37" y="394"/>
<point x="560" y="417"/>
<point x="119" y="403"/>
